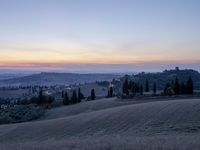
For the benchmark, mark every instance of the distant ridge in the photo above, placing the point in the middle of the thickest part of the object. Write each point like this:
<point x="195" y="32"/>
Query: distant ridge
<point x="52" y="78"/>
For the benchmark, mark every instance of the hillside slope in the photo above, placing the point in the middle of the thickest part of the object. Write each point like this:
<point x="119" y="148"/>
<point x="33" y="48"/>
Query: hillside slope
<point x="164" y="117"/>
<point x="161" y="78"/>
<point x="86" y="107"/>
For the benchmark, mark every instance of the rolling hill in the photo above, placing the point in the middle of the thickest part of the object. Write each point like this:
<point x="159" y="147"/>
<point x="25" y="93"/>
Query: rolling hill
<point x="98" y="121"/>
<point x="161" y="78"/>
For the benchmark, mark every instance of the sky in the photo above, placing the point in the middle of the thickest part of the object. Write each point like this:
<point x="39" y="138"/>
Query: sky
<point x="99" y="35"/>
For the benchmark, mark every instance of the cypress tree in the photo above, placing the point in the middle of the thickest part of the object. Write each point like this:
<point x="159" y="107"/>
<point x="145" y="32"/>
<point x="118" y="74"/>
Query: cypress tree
<point x="146" y="85"/>
<point x="93" y="96"/>
<point x="40" y="97"/>
<point x="111" y="92"/>
<point x="125" y="87"/>
<point x="65" y="99"/>
<point x="130" y="85"/>
<point x="63" y="94"/>
<point x="190" y="88"/>
<point x="183" y="89"/>
<point x="80" y="95"/>
<point x="141" y="90"/>
<point x="154" y="88"/>
<point x="74" y="98"/>
<point x="135" y="88"/>
<point x="138" y="88"/>
<point x="177" y="86"/>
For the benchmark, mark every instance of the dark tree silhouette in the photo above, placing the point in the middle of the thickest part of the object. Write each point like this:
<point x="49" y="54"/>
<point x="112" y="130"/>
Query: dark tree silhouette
<point x="74" y="98"/>
<point x="190" y="88"/>
<point x="138" y="88"/>
<point x="80" y="95"/>
<point x="40" y="97"/>
<point x="154" y="88"/>
<point x="133" y="87"/>
<point x="141" y="90"/>
<point x="176" y="86"/>
<point x="65" y="99"/>
<point x="93" y="96"/>
<point x="146" y="85"/>
<point x="183" y="89"/>
<point x="63" y="94"/>
<point x="125" y="87"/>
<point x="110" y="92"/>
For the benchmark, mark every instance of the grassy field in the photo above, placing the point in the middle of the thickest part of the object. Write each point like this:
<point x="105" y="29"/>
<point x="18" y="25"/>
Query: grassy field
<point x="110" y="143"/>
<point x="110" y="124"/>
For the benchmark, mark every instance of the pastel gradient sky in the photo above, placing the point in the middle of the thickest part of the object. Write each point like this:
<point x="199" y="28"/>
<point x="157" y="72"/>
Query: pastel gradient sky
<point x="99" y="35"/>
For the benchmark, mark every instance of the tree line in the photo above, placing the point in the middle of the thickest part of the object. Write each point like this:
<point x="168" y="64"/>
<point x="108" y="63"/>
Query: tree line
<point x="68" y="97"/>
<point x="132" y="88"/>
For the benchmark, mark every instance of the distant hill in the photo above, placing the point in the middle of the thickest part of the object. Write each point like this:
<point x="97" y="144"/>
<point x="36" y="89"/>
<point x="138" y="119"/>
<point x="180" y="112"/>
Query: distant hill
<point x="161" y="78"/>
<point x="57" y="79"/>
<point x="5" y="76"/>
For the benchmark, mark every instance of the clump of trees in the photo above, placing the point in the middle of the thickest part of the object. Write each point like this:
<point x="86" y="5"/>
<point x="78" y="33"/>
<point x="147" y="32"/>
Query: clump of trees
<point x="131" y="88"/>
<point x="176" y="88"/>
<point x="75" y="98"/>
<point x="44" y="99"/>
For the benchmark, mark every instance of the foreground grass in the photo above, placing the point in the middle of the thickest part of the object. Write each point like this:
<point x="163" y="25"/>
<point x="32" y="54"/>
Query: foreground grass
<point x="110" y="143"/>
<point x="159" y="125"/>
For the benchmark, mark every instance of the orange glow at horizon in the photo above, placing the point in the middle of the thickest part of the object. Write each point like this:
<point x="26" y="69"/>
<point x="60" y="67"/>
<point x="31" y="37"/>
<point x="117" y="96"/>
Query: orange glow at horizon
<point x="87" y="60"/>
<point x="36" y="58"/>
